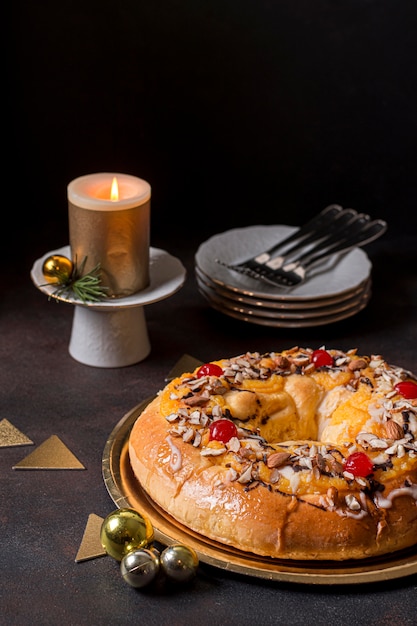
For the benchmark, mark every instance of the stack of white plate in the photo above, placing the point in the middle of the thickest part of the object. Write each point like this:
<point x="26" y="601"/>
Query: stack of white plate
<point x="335" y="289"/>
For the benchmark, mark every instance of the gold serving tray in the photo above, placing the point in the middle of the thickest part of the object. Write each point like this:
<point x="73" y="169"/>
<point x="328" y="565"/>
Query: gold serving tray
<point x="125" y="491"/>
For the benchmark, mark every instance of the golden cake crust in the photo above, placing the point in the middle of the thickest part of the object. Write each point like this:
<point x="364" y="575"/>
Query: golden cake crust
<point x="280" y="487"/>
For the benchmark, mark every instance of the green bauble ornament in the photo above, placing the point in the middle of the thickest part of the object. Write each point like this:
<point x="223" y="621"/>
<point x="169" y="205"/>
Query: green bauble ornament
<point x="179" y="562"/>
<point x="125" y="530"/>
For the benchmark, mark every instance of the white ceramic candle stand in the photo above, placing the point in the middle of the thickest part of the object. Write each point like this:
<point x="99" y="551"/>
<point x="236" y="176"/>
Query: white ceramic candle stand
<point x="113" y="332"/>
<point x="109" y="338"/>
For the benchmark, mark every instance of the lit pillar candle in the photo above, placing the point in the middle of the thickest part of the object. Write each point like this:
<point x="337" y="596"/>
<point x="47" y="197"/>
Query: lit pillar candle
<point x="109" y="224"/>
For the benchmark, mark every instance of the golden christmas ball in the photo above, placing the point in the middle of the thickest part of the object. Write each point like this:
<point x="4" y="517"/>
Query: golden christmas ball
<point x="125" y="530"/>
<point x="57" y="269"/>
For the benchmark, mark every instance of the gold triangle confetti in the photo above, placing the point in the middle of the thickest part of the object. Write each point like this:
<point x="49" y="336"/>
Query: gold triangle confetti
<point x="12" y="436"/>
<point x="51" y="454"/>
<point x="90" y="546"/>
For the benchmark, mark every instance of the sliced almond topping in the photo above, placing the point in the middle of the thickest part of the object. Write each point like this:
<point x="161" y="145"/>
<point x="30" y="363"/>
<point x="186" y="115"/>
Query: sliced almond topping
<point x="196" y="401"/>
<point x="333" y="495"/>
<point x="282" y="361"/>
<point x="393" y="430"/>
<point x="357" y="364"/>
<point x="276" y="459"/>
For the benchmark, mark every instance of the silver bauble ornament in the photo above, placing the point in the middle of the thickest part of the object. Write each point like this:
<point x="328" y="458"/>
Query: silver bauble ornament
<point x="179" y="562"/>
<point x="140" y="567"/>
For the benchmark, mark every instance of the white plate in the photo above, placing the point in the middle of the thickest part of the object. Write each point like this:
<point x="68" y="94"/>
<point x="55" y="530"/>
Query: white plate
<point x="277" y="303"/>
<point x="336" y="275"/>
<point x="279" y="314"/>
<point x="311" y="322"/>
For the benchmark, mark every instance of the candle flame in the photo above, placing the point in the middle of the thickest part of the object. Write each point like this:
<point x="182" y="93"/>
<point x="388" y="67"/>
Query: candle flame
<point x="114" y="193"/>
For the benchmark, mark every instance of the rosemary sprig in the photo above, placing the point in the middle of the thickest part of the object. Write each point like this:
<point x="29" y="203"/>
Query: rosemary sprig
<point x="86" y="288"/>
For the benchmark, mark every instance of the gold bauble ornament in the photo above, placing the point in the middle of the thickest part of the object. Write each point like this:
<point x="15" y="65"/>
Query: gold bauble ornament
<point x="70" y="280"/>
<point x="125" y="530"/>
<point x="57" y="269"/>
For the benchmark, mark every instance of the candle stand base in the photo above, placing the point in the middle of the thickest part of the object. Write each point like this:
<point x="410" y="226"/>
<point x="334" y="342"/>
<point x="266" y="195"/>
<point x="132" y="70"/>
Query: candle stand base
<point x="109" y="338"/>
<point x="113" y="332"/>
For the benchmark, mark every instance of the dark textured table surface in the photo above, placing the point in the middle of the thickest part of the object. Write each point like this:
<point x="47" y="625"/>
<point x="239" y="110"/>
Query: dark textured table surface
<point x="45" y="392"/>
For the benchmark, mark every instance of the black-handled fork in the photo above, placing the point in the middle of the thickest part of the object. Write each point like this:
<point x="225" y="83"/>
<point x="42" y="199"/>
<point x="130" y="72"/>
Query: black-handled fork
<point x="333" y="230"/>
<point x="294" y="273"/>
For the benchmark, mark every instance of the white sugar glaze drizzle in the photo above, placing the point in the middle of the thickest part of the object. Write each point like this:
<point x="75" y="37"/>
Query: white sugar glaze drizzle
<point x="176" y="458"/>
<point x="386" y="502"/>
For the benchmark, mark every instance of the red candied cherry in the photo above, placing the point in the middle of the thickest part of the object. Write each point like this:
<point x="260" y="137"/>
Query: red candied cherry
<point x="407" y="389"/>
<point x="359" y="464"/>
<point x="222" y="430"/>
<point x="209" y="369"/>
<point x="322" y="358"/>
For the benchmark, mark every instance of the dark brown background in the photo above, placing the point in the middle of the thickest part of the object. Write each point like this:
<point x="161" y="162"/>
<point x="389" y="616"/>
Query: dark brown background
<point x="235" y="112"/>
